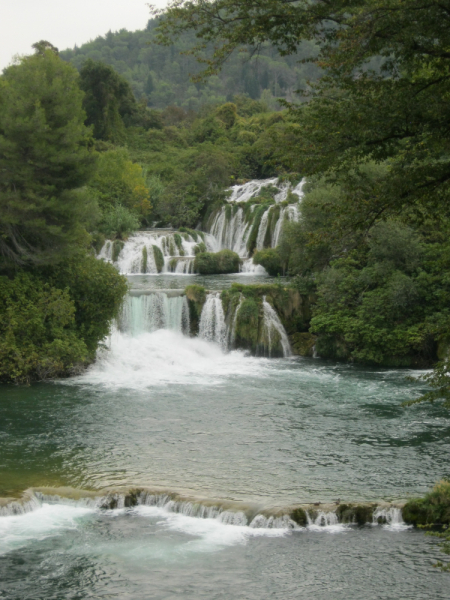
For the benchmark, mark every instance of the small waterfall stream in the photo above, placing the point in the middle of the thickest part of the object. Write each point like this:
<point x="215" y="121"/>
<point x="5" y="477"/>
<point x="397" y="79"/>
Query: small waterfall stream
<point x="153" y="311"/>
<point x="274" y="327"/>
<point x="212" y="325"/>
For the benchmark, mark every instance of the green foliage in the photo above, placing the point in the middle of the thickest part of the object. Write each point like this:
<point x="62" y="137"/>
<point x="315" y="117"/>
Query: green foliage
<point x="45" y="160"/>
<point x="52" y="320"/>
<point x="97" y="291"/>
<point x="247" y="324"/>
<point x="270" y="259"/>
<point x="119" y="222"/>
<point x="209" y="263"/>
<point x="38" y="338"/>
<point x="200" y="248"/>
<point x="116" y="249"/>
<point x="119" y="181"/>
<point x="108" y="99"/>
<point x="159" y="258"/>
<point x="433" y="509"/>
<point x="160" y="76"/>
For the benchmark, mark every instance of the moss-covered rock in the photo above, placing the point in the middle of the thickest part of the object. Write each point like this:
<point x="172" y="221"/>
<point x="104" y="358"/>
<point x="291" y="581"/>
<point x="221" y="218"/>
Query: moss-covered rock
<point x="179" y="243"/>
<point x="199" y="248"/>
<point x="144" y="259"/>
<point x="248" y="325"/>
<point x="256" y="217"/>
<point x="302" y="343"/>
<point x="355" y="513"/>
<point x="330" y="346"/>
<point x="196" y="296"/>
<point x="116" y="249"/>
<point x="159" y="258"/>
<point x="299" y="516"/>
<point x="217" y="263"/>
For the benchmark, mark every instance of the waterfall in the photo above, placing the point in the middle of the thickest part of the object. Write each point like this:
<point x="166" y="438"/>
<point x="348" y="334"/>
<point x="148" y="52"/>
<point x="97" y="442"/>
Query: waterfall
<point x="231" y="226"/>
<point x="391" y="517"/>
<point x="156" y="310"/>
<point x="153" y="252"/>
<point x="323" y="519"/>
<point x="251" y="189"/>
<point x="262" y="230"/>
<point x="273" y="327"/>
<point x="212" y="325"/>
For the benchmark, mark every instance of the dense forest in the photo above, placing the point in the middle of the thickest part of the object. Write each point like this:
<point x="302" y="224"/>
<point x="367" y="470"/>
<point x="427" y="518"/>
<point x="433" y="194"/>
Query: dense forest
<point x="163" y="75"/>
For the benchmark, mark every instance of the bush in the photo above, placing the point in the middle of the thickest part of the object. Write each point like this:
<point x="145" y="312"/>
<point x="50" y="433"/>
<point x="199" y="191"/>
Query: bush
<point x="270" y="260"/>
<point x="119" y="222"/>
<point x="38" y="334"/>
<point x="217" y="263"/>
<point x="200" y="248"/>
<point x="159" y="258"/>
<point x="432" y="509"/>
<point x="97" y="291"/>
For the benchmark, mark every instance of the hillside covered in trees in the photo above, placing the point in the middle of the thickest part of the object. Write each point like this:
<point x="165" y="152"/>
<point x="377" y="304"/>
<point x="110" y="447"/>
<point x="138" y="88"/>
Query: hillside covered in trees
<point x="161" y="75"/>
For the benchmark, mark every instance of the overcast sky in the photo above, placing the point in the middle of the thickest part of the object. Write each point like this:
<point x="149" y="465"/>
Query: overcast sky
<point x="65" y="23"/>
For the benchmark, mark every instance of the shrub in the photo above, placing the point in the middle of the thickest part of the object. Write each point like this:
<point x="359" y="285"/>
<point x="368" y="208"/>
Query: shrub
<point x="38" y="337"/>
<point x="210" y="263"/>
<point x="119" y="222"/>
<point x="199" y="248"/>
<point x="270" y="260"/>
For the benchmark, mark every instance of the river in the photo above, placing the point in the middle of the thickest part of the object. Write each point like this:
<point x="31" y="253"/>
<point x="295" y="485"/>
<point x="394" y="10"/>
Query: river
<point x="237" y="436"/>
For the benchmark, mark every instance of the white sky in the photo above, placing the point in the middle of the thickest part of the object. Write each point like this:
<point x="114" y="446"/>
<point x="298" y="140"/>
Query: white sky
<point x="65" y="23"/>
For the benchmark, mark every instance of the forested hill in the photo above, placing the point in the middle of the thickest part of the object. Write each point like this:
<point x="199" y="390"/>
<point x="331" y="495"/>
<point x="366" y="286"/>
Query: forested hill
<point x="161" y="74"/>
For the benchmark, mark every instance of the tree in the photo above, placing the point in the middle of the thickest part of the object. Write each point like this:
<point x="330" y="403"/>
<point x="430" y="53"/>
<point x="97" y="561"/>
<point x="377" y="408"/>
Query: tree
<point x="384" y="94"/>
<point x="45" y="159"/>
<point x="108" y="100"/>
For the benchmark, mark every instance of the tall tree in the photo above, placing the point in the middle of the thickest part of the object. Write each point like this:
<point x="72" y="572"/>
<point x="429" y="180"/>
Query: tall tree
<point x="107" y="101"/>
<point x="385" y="91"/>
<point x="45" y="159"/>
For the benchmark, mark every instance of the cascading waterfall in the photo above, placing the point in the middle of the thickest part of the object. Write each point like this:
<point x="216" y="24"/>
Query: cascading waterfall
<point x="212" y="326"/>
<point x="153" y="252"/>
<point x="156" y="310"/>
<point x="322" y="519"/>
<point x="273" y="327"/>
<point x="231" y="226"/>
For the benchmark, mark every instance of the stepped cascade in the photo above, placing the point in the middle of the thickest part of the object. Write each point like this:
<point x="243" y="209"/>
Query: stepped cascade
<point x="251" y="219"/>
<point x="146" y="312"/>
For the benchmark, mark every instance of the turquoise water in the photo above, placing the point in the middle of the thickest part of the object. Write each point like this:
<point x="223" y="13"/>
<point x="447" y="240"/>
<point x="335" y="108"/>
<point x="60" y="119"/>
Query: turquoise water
<point x="165" y="412"/>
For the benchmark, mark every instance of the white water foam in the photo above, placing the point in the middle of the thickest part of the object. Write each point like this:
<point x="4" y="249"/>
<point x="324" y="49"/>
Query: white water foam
<point x="212" y="326"/>
<point x="165" y="357"/>
<point x="273" y="324"/>
<point x="212" y="534"/>
<point x="48" y="520"/>
<point x="393" y="518"/>
<point x="326" y="522"/>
